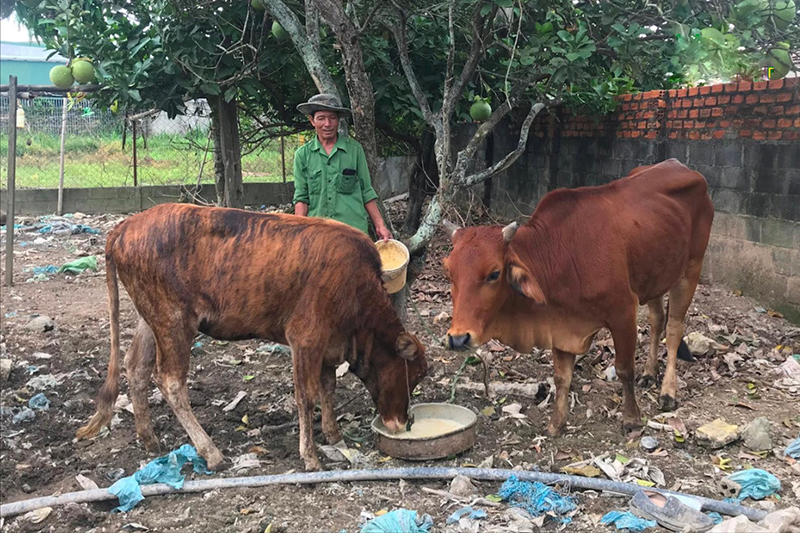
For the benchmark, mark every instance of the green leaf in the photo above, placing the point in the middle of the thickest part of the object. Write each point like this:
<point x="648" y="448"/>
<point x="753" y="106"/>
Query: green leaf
<point x="504" y="3"/>
<point x="211" y="89"/>
<point x="485" y="10"/>
<point x="247" y="377"/>
<point x="494" y="498"/>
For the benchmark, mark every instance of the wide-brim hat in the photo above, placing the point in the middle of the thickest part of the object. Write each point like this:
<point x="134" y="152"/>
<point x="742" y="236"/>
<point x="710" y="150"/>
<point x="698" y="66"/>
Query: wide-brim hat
<point x="323" y="102"/>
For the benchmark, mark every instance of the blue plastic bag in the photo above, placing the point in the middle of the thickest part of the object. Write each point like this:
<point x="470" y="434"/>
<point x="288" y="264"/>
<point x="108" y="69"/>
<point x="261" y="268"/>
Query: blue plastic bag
<point x="166" y="469"/>
<point x="627" y="520"/>
<point x="39" y="401"/>
<point x="755" y="483"/>
<point x="399" y="521"/>
<point x="474" y="514"/>
<point x="793" y="449"/>
<point x="536" y="498"/>
<point x="716" y="517"/>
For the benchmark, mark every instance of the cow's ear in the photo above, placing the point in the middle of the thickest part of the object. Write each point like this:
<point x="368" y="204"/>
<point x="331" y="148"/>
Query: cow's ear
<point x="521" y="280"/>
<point x="407" y="346"/>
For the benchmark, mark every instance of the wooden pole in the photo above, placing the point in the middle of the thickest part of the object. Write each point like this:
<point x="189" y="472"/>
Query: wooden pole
<point x="283" y="160"/>
<point x="12" y="174"/>
<point x="135" y="163"/>
<point x="60" y="210"/>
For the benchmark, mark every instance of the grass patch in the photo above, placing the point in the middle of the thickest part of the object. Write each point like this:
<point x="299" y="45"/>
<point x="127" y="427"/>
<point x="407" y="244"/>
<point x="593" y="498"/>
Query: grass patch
<point x="99" y="161"/>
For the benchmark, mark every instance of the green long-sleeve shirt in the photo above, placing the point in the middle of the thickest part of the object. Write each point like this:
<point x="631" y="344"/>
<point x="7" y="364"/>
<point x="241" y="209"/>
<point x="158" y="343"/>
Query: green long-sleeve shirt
<point x="334" y="186"/>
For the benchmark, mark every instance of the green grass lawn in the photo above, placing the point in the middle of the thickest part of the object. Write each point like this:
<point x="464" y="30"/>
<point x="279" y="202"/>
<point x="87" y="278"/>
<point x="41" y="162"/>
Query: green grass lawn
<point x="99" y="161"/>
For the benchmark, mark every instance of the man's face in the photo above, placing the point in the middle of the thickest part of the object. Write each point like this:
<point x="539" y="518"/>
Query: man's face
<point x="326" y="123"/>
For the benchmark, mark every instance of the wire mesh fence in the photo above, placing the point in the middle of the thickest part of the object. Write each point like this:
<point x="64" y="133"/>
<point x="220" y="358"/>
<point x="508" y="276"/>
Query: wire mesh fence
<point x="99" y="148"/>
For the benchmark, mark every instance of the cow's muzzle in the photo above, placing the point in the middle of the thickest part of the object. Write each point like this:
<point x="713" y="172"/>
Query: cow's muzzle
<point x="458" y="342"/>
<point x="393" y="425"/>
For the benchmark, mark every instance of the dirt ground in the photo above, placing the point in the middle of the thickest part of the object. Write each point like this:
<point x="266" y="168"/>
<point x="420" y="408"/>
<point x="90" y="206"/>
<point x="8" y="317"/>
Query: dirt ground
<point x="40" y="457"/>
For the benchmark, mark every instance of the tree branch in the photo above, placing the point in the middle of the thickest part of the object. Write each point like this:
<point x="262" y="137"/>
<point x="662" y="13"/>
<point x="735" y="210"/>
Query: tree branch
<point x="509" y="159"/>
<point x="369" y="17"/>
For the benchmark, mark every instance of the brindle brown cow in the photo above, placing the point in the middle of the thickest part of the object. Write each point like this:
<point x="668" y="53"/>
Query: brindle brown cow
<point x="312" y="283"/>
<point x="584" y="261"/>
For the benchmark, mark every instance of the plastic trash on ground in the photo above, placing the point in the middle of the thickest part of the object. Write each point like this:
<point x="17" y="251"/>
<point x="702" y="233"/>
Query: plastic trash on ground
<point x="399" y="521"/>
<point x="536" y="498"/>
<point x="40" y="402"/>
<point x="793" y="449"/>
<point x="627" y="520"/>
<point x="166" y="469"/>
<point x="79" y="265"/>
<point x="755" y="483"/>
<point x="49" y="269"/>
<point x="473" y="514"/>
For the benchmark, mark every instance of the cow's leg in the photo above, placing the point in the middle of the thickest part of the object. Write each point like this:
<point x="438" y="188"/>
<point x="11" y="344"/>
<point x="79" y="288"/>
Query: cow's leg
<point x="624" y="334"/>
<point x="329" y="426"/>
<point x="563" y="364"/>
<point x="139" y="362"/>
<point x="680" y="297"/>
<point x="657" y="324"/>
<point x="307" y="370"/>
<point x="172" y="369"/>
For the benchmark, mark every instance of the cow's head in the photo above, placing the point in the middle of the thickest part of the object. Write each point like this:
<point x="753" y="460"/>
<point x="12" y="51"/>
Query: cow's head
<point x="394" y="370"/>
<point x="484" y="272"/>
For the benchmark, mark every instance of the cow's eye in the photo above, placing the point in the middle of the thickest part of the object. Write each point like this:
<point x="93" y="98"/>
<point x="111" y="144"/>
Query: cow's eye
<point x="493" y="276"/>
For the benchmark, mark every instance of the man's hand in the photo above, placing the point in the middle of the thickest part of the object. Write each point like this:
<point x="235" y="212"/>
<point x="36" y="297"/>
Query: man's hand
<point x="383" y="232"/>
<point x="301" y="209"/>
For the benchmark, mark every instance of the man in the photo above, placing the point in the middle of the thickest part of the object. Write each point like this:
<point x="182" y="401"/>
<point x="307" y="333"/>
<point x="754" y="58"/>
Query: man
<point x="331" y="178"/>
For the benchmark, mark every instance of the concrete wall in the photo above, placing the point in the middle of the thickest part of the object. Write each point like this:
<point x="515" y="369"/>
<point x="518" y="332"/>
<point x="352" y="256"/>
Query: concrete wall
<point x="742" y="137"/>
<point x="133" y="199"/>
<point x="394" y="176"/>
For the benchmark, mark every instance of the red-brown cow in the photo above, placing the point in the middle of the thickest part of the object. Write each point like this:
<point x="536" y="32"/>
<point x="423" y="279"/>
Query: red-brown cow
<point x="312" y="283"/>
<point x="584" y="261"/>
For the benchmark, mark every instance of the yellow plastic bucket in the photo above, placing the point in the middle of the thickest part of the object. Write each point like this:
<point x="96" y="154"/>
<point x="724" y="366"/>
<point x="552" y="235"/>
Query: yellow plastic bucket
<point x="394" y="264"/>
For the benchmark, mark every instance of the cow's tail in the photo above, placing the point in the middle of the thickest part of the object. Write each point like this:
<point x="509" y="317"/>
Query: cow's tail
<point x="108" y="394"/>
<point x="684" y="353"/>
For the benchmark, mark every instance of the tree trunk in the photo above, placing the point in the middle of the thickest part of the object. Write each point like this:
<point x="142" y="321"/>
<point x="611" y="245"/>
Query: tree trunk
<point x="230" y="153"/>
<point x="422" y="183"/>
<point x="219" y="171"/>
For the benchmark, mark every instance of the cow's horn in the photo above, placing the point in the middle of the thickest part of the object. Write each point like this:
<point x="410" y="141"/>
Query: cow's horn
<point x="450" y="228"/>
<point x="509" y="232"/>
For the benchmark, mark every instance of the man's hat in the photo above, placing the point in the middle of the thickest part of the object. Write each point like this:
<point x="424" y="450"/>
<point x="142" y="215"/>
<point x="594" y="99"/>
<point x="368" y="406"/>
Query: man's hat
<point x="323" y="102"/>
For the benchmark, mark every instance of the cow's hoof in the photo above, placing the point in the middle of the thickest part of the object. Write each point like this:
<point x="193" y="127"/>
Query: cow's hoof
<point x="667" y="403"/>
<point x="647" y="381"/>
<point x="214" y="459"/>
<point x="333" y="438"/>
<point x="313" y="465"/>
<point x="554" y="430"/>
<point x="632" y="428"/>
<point x="151" y="443"/>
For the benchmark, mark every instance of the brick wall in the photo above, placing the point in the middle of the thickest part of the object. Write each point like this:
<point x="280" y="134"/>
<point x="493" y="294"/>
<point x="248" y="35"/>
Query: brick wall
<point x="744" y="138"/>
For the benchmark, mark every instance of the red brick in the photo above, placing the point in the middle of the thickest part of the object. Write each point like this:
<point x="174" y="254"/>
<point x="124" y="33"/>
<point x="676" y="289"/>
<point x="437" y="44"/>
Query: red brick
<point x="694" y="91"/>
<point x="724" y="123"/>
<point x="716" y="89"/>
<point x="706" y="136"/>
<point x="620" y="134"/>
<point x="784" y="123"/>
<point x="686" y="103"/>
<point x="745" y="133"/>
<point x="711" y="100"/>
<point x="719" y="134"/>
<point x="777" y="110"/>
<point x="752" y="123"/>
<point x="760" y="110"/>
<point x="699" y="124"/>
<point x="698" y="102"/>
<point x="661" y="104"/>
<point x="627" y="134"/>
<point x="769" y="123"/>
<point x="739" y="122"/>
<point x="648" y="115"/>
<point x="652" y="94"/>
<point x="744" y="86"/>
<point x="794" y="110"/>
<point x="775" y="85"/>
<point x="768" y="98"/>
<point x="683" y="113"/>
<point x="642" y="125"/>
<point x="669" y="124"/>
<point x="791" y="82"/>
<point x="738" y="99"/>
<point x="673" y="135"/>
<point x="635" y="106"/>
<point x="791" y="135"/>
<point x="694" y="113"/>
<point x="672" y="114"/>
<point x="716" y="112"/>
<point x="688" y="124"/>
<point x="637" y="96"/>
<point x="775" y="135"/>
<point x="635" y="134"/>
<point x="705" y="113"/>
<point x="683" y="93"/>
<point x="731" y="87"/>
<point x="627" y="97"/>
<point x="723" y="100"/>
<point x="651" y="135"/>
<point x="784" y="97"/>
<point x="759" y="135"/>
<point x="706" y="89"/>
<point x="694" y="135"/>
<point x="751" y="99"/>
<point x="760" y="86"/>
<point x="673" y="93"/>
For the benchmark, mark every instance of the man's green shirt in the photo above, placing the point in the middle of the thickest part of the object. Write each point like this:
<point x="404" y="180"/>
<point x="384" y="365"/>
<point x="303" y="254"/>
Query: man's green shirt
<point x="334" y="186"/>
